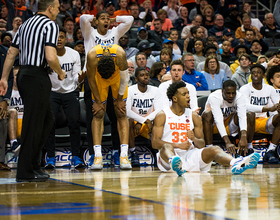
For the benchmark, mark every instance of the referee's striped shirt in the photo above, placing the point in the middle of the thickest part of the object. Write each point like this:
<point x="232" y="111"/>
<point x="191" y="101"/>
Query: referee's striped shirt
<point x="32" y="37"/>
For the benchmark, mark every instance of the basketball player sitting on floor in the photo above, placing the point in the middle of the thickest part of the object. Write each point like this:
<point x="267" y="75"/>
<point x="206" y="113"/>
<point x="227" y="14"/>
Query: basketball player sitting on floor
<point x="258" y="96"/>
<point x="227" y="108"/>
<point x="142" y="105"/>
<point x="178" y="135"/>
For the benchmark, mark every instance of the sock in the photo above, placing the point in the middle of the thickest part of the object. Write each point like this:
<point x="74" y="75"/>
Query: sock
<point x="132" y="149"/>
<point x="272" y="147"/>
<point x="12" y="141"/>
<point x="97" y="150"/>
<point x="233" y="161"/>
<point x="115" y="151"/>
<point x="250" y="145"/>
<point x="209" y="145"/>
<point x="124" y="150"/>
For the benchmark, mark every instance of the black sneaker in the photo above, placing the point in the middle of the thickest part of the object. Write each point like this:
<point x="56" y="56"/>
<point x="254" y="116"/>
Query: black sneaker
<point x="250" y="151"/>
<point x="134" y="159"/>
<point x="15" y="148"/>
<point x="270" y="157"/>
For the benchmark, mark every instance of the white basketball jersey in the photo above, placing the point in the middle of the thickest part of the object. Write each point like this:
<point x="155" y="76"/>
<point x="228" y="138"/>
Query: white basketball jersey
<point x="176" y="127"/>
<point x="16" y="103"/>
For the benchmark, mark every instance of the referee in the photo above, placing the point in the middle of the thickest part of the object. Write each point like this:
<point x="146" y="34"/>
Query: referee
<point x="35" y="42"/>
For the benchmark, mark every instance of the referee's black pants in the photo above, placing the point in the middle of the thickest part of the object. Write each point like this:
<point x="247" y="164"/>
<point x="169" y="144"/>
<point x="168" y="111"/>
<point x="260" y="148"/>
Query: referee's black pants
<point x="71" y="107"/>
<point x="34" y="87"/>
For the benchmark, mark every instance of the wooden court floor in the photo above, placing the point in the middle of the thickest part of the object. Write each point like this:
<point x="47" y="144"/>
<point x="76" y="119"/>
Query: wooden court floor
<point x="143" y="193"/>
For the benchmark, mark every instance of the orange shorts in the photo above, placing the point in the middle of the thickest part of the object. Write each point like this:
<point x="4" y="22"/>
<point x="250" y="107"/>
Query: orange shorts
<point x="144" y="132"/>
<point x="264" y="125"/>
<point x="227" y="125"/>
<point x="19" y="126"/>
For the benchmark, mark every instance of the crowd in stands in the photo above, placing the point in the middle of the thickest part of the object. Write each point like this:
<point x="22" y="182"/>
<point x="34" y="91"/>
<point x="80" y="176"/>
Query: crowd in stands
<point x="216" y="40"/>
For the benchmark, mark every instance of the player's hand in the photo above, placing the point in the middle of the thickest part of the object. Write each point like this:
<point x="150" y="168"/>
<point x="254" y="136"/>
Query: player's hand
<point x="190" y="135"/>
<point x="243" y="145"/>
<point x="274" y="107"/>
<point x="137" y="129"/>
<point x="3" y="87"/>
<point x="62" y="75"/>
<point x="120" y="105"/>
<point x="198" y="84"/>
<point x="273" y="62"/>
<point x="197" y="110"/>
<point x="96" y="107"/>
<point x="3" y="109"/>
<point x="185" y="145"/>
<point x="230" y="148"/>
<point x="149" y="124"/>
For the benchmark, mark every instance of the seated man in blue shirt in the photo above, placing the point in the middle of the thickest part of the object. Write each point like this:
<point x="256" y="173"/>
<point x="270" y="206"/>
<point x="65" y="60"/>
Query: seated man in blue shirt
<point x="191" y="76"/>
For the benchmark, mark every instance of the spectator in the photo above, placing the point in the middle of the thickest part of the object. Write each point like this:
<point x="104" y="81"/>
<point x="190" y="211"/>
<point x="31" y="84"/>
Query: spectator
<point x="197" y="33"/>
<point x="197" y="79"/>
<point x="69" y="27"/>
<point x="16" y="23"/>
<point x="123" y="9"/>
<point x="256" y="49"/>
<point x="77" y="11"/>
<point x="178" y="48"/>
<point x="172" y="10"/>
<point x="242" y="73"/>
<point x="215" y="76"/>
<point x="15" y="10"/>
<point x="228" y="35"/>
<point x="3" y="18"/>
<point x="211" y="49"/>
<point x="233" y="20"/>
<point x="63" y="14"/>
<point x="218" y="28"/>
<point x="130" y="51"/>
<point x="189" y="4"/>
<point x="158" y="33"/>
<point x="157" y="71"/>
<point x="141" y="60"/>
<point x="93" y="6"/>
<point x="148" y="15"/>
<point x="200" y="4"/>
<point x="240" y="49"/>
<point x="166" y="57"/>
<point x="246" y="24"/>
<point x="80" y="48"/>
<point x="251" y="36"/>
<point x="227" y="56"/>
<point x="269" y="29"/>
<point x="131" y="71"/>
<point x="183" y="19"/>
<point x="6" y="39"/>
<point x="166" y="22"/>
<point x="138" y="22"/>
<point x="77" y="35"/>
<point x="168" y="43"/>
<point x="225" y="7"/>
<point x="159" y="4"/>
<point x="198" y="52"/>
<point x="208" y="17"/>
<point x="32" y="5"/>
<point x="246" y="9"/>
<point x="186" y="32"/>
<point x="262" y="59"/>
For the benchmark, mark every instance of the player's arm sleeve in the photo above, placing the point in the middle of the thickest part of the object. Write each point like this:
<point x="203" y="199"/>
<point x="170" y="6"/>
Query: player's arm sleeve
<point x="129" y="112"/>
<point x="193" y="97"/>
<point x="218" y="115"/>
<point x="77" y="68"/>
<point x="125" y="24"/>
<point x="274" y="96"/>
<point x="85" y="24"/>
<point x="250" y="108"/>
<point x="157" y="106"/>
<point x="241" y="113"/>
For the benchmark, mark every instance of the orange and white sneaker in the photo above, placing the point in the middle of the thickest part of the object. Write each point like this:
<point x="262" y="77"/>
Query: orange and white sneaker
<point x="125" y="163"/>
<point x="97" y="163"/>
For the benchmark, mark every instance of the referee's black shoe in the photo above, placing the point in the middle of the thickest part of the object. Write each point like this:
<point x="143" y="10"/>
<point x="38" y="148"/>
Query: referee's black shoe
<point x="42" y="173"/>
<point x="36" y="178"/>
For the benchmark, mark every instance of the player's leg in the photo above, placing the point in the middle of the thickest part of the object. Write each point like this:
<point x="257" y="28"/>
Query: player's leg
<point x="170" y="160"/>
<point x="134" y="155"/>
<point x="12" y="131"/>
<point x="208" y="120"/>
<point x="239" y="165"/>
<point x="250" y="131"/>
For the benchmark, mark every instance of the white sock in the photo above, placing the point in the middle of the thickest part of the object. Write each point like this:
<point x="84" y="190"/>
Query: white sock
<point x="233" y="161"/>
<point x="250" y="145"/>
<point x="132" y="149"/>
<point x="209" y="145"/>
<point x="272" y="147"/>
<point x="12" y="141"/>
<point x="97" y="150"/>
<point x="124" y="150"/>
<point x="114" y="151"/>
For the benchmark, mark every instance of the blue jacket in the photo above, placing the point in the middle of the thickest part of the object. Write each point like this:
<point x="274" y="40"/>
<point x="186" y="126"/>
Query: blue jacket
<point x="196" y="77"/>
<point x="3" y="51"/>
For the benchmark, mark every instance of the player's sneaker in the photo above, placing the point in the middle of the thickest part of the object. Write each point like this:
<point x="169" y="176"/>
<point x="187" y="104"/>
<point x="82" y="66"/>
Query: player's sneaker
<point x="244" y="163"/>
<point x="91" y="159"/>
<point x="270" y="157"/>
<point x="16" y="148"/>
<point x="115" y="159"/>
<point x="50" y="163"/>
<point x="176" y="165"/>
<point x="134" y="159"/>
<point x="125" y="164"/>
<point x="250" y="151"/>
<point x="97" y="163"/>
<point x="76" y="162"/>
